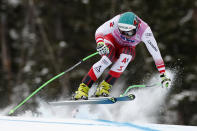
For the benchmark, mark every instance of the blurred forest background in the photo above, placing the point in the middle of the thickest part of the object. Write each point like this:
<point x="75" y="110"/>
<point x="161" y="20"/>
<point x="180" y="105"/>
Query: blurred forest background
<point x="40" y="39"/>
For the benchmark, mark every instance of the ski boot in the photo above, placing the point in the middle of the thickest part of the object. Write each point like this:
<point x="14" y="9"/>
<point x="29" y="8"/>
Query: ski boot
<point x="82" y="92"/>
<point x="103" y="89"/>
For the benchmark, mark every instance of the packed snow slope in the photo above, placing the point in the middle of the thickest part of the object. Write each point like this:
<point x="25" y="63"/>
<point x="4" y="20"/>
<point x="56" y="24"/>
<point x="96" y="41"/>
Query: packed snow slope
<point x="40" y="124"/>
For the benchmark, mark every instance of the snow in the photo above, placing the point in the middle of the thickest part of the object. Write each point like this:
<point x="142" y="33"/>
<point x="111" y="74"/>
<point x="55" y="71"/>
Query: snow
<point x="136" y="115"/>
<point x="191" y="94"/>
<point x="38" y="124"/>
<point x="145" y="108"/>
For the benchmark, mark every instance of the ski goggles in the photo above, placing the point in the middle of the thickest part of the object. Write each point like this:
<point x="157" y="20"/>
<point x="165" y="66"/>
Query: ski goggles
<point x="128" y="33"/>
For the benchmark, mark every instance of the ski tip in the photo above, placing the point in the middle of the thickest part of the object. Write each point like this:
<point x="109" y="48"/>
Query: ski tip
<point x="131" y="96"/>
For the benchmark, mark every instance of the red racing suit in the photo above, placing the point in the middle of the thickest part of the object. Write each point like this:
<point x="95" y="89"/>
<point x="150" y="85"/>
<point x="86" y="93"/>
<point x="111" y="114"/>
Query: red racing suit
<point x="122" y="50"/>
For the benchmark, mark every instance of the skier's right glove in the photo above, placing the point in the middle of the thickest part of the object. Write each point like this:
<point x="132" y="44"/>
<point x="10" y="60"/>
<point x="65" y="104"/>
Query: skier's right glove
<point x="166" y="82"/>
<point x="102" y="48"/>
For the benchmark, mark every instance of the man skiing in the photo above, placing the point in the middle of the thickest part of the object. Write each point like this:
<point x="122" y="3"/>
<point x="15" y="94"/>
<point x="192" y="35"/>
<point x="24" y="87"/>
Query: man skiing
<point x="116" y="40"/>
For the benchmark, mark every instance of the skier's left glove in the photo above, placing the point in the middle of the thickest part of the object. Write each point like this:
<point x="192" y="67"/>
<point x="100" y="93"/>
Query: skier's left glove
<point x="166" y="82"/>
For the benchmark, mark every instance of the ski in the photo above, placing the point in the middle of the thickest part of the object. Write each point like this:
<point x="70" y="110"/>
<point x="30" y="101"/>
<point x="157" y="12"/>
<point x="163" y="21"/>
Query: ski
<point x="94" y="100"/>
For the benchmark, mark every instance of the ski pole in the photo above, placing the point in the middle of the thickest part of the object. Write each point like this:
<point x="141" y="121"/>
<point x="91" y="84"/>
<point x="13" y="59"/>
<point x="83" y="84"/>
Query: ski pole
<point x="134" y="86"/>
<point x="52" y="79"/>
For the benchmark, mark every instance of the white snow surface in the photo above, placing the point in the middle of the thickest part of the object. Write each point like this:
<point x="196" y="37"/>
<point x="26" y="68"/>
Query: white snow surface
<point x="40" y="124"/>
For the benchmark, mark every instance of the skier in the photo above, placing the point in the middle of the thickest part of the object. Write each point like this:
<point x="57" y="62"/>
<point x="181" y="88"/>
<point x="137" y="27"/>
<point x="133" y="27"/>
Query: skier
<point x="116" y="40"/>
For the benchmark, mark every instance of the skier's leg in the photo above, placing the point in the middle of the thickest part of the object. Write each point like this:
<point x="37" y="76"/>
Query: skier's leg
<point x="94" y="73"/>
<point x="98" y="68"/>
<point x="127" y="54"/>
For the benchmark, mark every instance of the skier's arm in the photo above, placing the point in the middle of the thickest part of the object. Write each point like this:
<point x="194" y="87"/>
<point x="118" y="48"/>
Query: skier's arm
<point x="152" y="47"/>
<point x="105" y="29"/>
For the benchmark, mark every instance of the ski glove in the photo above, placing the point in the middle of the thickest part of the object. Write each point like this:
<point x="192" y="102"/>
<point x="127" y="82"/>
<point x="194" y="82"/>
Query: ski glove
<point x="102" y="48"/>
<point x="166" y="82"/>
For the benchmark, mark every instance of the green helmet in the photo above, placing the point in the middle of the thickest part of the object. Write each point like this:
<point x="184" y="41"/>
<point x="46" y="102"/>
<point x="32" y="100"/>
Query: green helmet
<point x="127" y="21"/>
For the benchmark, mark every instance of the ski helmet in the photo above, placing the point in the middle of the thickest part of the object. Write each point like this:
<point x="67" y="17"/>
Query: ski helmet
<point x="128" y="23"/>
